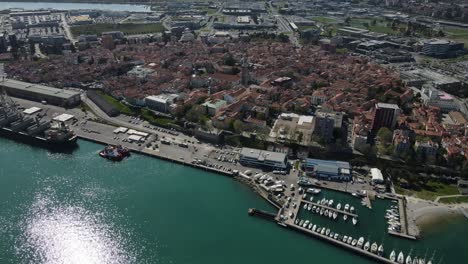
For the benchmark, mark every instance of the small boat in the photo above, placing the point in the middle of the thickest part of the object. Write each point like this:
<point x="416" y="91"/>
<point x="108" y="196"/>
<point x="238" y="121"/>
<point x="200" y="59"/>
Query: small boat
<point x="313" y="191"/>
<point x="409" y="260"/>
<point x="332" y="234"/>
<point x="336" y="236"/>
<point x="374" y="247"/>
<point x="306" y="223"/>
<point x="310" y="226"/>
<point x="301" y="222"/>
<point x="422" y="261"/>
<point x="323" y="231"/>
<point x="321" y="211"/>
<point x="314" y="208"/>
<point x="380" y="250"/>
<point x="354" y="220"/>
<point x="305" y="207"/>
<point x="354" y="242"/>
<point x="346" y="207"/>
<point x="335" y="215"/>
<point x="314" y="228"/>
<point x="345" y="217"/>
<point x="351" y="209"/>
<point x="392" y="256"/>
<point x="415" y="261"/>
<point x="311" y="198"/>
<point x="401" y="258"/>
<point x="327" y="232"/>
<point x="309" y="207"/>
<point x="304" y="196"/>
<point x="297" y="221"/>
<point x="325" y="212"/>
<point x="330" y="203"/>
<point x="338" y="207"/>
<point x="366" y="246"/>
<point x="345" y="238"/>
<point x="317" y="210"/>
<point x="360" y="242"/>
<point x="330" y="214"/>
<point x="350" y="239"/>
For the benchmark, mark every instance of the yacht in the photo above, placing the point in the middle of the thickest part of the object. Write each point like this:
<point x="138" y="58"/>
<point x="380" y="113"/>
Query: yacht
<point x="422" y="261"/>
<point x="336" y="236"/>
<point x="408" y="260"/>
<point x="314" y="228"/>
<point x="304" y="196"/>
<point x="350" y="239"/>
<point x="314" y="208"/>
<point x="327" y="232"/>
<point x="323" y="231"/>
<point x="310" y="226"/>
<point x="360" y="242"/>
<point x="415" y="261"/>
<point x="317" y="210"/>
<point x="321" y="211"/>
<point x="345" y="217"/>
<point x="319" y="229"/>
<point x="313" y="191"/>
<point x="354" y="242"/>
<point x="305" y="206"/>
<point x="392" y="256"/>
<point x="345" y="238"/>
<point x="332" y="234"/>
<point x="311" y="199"/>
<point x="330" y="214"/>
<point x="309" y="207"/>
<point x="366" y="246"/>
<point x="301" y="222"/>
<point x="330" y="203"/>
<point x="335" y="215"/>
<point x="354" y="220"/>
<point x="374" y="247"/>
<point x="306" y="223"/>
<point x="401" y="258"/>
<point x="346" y="207"/>
<point x="338" y="207"/>
<point x="297" y="221"/>
<point x="380" y="250"/>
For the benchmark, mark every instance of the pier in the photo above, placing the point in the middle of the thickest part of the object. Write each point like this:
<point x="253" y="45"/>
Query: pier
<point x="262" y="214"/>
<point x="330" y="208"/>
<point x="338" y="243"/>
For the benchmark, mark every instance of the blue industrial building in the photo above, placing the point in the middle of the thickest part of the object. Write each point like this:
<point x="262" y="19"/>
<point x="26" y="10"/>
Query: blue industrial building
<point x="327" y="169"/>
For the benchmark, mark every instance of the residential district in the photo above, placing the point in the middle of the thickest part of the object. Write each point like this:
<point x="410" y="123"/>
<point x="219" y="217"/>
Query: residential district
<point x="252" y="88"/>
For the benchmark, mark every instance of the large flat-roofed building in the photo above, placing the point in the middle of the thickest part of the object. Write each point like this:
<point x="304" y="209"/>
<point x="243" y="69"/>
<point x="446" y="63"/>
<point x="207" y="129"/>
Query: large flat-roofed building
<point x="37" y="92"/>
<point x="263" y="159"/>
<point x="328" y="169"/>
<point x="161" y="102"/>
<point x="385" y="115"/>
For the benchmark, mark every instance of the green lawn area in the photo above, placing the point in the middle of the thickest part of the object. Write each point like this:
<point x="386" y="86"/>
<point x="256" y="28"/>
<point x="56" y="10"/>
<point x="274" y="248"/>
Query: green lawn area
<point x="458" y="34"/>
<point x="301" y="28"/>
<point x="324" y="20"/>
<point x="127" y="29"/>
<point x="430" y="191"/>
<point x="379" y="27"/>
<point x="123" y="108"/>
<point x="454" y="200"/>
<point x="158" y="121"/>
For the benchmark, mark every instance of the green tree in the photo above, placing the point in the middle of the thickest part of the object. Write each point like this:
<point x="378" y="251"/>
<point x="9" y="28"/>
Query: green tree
<point x="385" y="135"/>
<point x="348" y="21"/>
<point x="238" y="126"/>
<point x="196" y="113"/>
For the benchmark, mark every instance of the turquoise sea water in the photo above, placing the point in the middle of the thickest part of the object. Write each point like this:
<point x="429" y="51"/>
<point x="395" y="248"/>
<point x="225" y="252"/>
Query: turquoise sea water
<point x="79" y="208"/>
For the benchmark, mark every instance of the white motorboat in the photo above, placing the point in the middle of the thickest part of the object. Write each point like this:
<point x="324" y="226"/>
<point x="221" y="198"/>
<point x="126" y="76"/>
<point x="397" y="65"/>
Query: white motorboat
<point x="301" y="222"/>
<point x="305" y="206"/>
<point x="323" y="231"/>
<point x="297" y="221"/>
<point x="319" y="229"/>
<point x="314" y="208"/>
<point x="366" y="246"/>
<point x="345" y="238"/>
<point x="314" y="228"/>
<point x="311" y="199"/>
<point x="346" y="207"/>
<point x="306" y="223"/>
<point x="401" y="258"/>
<point x="392" y="256"/>
<point x="335" y="215"/>
<point x="309" y="207"/>
<point x="345" y="217"/>
<point x="354" y="242"/>
<point x="374" y="247"/>
<point x="409" y="260"/>
<point x="321" y="211"/>
<point x="350" y="239"/>
<point x="380" y="250"/>
<point x="313" y="191"/>
<point x="360" y="242"/>
<point x="338" y="207"/>
<point x="330" y="203"/>
<point x="317" y="210"/>
<point x="310" y="226"/>
<point x="336" y="236"/>
<point x="327" y="232"/>
<point x="330" y="214"/>
<point x="354" y="220"/>
<point x="332" y="234"/>
<point x="304" y="196"/>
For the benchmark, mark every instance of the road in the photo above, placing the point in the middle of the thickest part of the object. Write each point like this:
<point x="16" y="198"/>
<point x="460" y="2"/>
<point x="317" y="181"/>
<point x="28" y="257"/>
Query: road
<point x="66" y="29"/>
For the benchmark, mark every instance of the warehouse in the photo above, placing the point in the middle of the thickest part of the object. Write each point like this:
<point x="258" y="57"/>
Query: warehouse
<point x="263" y="159"/>
<point x="328" y="169"/>
<point x="41" y="93"/>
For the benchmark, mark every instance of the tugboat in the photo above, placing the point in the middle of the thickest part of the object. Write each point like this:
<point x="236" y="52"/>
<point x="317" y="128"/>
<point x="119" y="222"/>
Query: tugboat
<point x="114" y="153"/>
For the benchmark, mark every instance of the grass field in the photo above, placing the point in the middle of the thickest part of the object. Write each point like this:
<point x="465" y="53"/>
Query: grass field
<point x="379" y="27"/>
<point x="127" y="29"/>
<point x="454" y="200"/>
<point x="158" y="121"/>
<point x="123" y="108"/>
<point x="430" y="191"/>
<point x="459" y="34"/>
<point x="324" y="20"/>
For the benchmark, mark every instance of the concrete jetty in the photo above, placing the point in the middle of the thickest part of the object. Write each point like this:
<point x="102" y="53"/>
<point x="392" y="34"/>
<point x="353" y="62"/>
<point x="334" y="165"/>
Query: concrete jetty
<point x="330" y="208"/>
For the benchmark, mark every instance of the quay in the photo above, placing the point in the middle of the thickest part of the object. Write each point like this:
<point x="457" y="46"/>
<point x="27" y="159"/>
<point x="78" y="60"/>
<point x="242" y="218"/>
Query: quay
<point x="262" y="214"/>
<point x="403" y="222"/>
<point x="329" y="208"/>
<point x="393" y="233"/>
